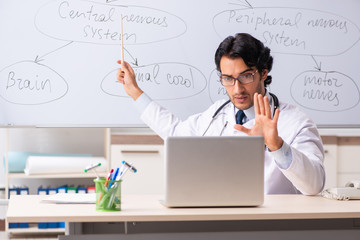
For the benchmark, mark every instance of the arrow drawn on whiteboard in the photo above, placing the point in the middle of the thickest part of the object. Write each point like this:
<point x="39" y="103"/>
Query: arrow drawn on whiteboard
<point x="318" y="66"/>
<point x="110" y="2"/>
<point x="39" y="59"/>
<point x="243" y="3"/>
<point x="135" y="61"/>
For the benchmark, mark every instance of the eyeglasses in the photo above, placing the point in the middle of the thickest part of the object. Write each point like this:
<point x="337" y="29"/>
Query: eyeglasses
<point x="227" y="81"/>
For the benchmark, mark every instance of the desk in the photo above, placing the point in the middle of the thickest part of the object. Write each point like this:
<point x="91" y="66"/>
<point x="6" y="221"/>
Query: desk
<point x="143" y="217"/>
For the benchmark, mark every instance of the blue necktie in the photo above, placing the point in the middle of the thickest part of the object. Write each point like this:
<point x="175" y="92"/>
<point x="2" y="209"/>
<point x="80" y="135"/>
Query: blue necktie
<point x="240" y="117"/>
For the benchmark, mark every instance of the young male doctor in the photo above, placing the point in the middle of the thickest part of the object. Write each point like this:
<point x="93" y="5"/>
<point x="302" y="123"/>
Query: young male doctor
<point x="294" y="151"/>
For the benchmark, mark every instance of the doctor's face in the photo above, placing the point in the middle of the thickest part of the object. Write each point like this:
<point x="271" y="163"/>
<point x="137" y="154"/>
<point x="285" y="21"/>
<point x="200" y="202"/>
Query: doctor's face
<point x="242" y="95"/>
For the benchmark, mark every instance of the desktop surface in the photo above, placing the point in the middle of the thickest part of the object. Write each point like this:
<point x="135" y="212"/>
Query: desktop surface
<point x="142" y="208"/>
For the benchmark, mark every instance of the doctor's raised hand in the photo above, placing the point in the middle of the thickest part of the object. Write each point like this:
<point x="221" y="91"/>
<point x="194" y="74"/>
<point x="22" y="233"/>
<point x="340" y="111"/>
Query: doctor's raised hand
<point x="126" y="76"/>
<point x="264" y="125"/>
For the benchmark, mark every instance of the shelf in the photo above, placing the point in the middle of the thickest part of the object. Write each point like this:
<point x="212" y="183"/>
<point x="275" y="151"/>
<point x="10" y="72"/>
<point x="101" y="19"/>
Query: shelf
<point x="35" y="230"/>
<point x="63" y="175"/>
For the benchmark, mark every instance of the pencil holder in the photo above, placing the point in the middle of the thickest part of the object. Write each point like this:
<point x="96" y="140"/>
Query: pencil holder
<point x="108" y="195"/>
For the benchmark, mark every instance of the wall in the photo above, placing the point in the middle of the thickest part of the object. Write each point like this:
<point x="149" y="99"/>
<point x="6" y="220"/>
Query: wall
<point x="349" y="159"/>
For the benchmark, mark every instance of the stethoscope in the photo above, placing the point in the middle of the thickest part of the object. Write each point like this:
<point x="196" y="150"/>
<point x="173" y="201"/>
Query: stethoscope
<point x="276" y="106"/>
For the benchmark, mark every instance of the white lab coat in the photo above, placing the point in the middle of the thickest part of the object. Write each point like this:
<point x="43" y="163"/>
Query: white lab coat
<point x="306" y="172"/>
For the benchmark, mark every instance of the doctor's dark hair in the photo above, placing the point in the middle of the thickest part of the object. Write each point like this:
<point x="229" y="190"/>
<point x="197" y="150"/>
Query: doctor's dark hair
<point x="250" y="49"/>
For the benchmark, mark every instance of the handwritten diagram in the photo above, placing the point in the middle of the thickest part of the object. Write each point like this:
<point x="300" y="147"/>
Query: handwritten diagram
<point x="325" y="91"/>
<point x="30" y="82"/>
<point x="171" y="49"/>
<point x="292" y="30"/>
<point x="87" y="22"/>
<point x="300" y="31"/>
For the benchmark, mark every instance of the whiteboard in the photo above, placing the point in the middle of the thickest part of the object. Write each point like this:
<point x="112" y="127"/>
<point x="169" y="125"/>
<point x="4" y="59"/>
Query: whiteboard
<point x="58" y="58"/>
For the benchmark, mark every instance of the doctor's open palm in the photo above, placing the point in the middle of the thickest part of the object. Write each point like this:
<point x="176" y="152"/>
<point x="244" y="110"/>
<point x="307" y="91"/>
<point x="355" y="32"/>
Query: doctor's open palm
<point x="264" y="125"/>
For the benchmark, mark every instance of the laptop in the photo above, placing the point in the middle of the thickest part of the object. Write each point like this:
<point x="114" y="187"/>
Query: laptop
<point x="214" y="171"/>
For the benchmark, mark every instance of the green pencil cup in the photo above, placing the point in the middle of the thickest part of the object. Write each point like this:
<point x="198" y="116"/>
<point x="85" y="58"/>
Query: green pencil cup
<point x="108" y="195"/>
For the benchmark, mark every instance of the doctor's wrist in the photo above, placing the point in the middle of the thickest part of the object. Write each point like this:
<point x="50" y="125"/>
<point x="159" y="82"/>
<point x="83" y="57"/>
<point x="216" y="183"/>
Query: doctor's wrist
<point x="275" y="145"/>
<point x="135" y="93"/>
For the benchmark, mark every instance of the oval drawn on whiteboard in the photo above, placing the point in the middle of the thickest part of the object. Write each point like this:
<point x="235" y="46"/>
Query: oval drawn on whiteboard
<point x="31" y="83"/>
<point x="291" y="30"/>
<point x="161" y="81"/>
<point x="216" y="90"/>
<point x="325" y="91"/>
<point x="91" y="22"/>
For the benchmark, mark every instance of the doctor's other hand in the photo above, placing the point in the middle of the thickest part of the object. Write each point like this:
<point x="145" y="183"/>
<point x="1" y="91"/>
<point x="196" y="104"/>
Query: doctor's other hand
<point x="264" y="125"/>
<point x="126" y="76"/>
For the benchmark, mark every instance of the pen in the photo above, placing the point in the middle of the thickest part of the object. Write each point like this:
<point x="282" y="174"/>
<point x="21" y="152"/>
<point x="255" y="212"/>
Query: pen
<point x="114" y="176"/>
<point x="92" y="167"/>
<point x="130" y="166"/>
<point x="127" y="167"/>
<point x="106" y="183"/>
<point x="122" y="169"/>
<point x="108" y="177"/>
